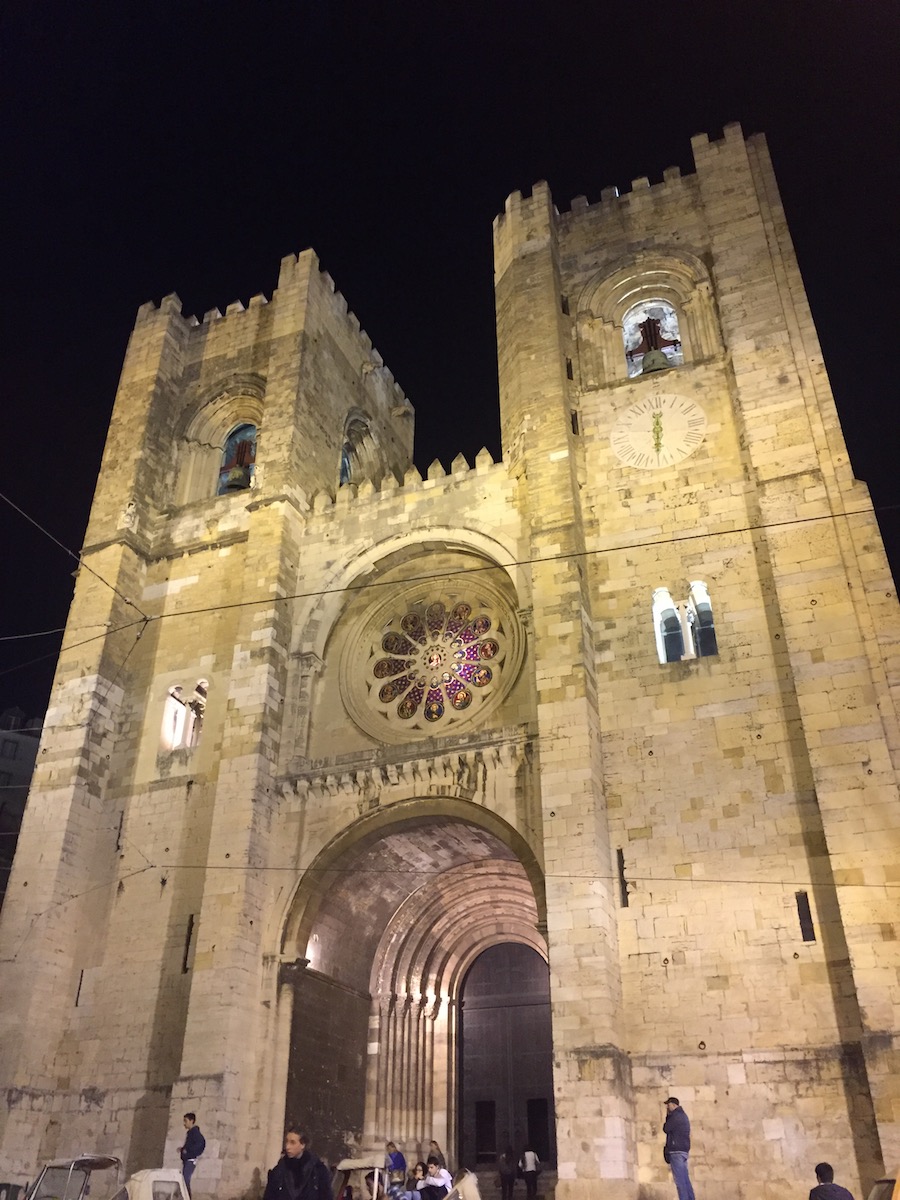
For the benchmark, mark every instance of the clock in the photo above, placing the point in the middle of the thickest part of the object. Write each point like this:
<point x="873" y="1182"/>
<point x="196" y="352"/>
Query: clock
<point x="659" y="431"/>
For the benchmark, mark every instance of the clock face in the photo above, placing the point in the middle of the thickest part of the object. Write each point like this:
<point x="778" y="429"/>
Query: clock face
<point x="658" y="432"/>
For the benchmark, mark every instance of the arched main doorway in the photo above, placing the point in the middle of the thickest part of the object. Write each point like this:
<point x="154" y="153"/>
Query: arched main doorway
<point x="386" y="926"/>
<point x="506" y="1050"/>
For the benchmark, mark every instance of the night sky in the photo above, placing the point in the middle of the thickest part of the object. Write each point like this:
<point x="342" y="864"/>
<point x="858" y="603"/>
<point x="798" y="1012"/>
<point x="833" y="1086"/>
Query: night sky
<point x="158" y="147"/>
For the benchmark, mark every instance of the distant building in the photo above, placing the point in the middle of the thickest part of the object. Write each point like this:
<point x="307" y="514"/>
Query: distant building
<point x="19" y="739"/>
<point x="495" y="805"/>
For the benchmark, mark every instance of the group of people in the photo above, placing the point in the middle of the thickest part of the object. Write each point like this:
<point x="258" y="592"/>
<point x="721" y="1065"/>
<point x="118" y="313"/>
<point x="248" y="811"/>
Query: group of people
<point x="428" y="1180"/>
<point x="300" y="1175"/>
<point x="509" y="1169"/>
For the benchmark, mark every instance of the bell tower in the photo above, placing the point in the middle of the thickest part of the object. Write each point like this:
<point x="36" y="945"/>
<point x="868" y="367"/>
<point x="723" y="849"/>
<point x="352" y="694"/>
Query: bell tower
<point x="711" y="604"/>
<point x="223" y="434"/>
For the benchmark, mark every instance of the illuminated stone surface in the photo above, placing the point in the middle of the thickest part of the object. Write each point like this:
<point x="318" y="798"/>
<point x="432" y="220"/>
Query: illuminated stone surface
<point x="190" y="926"/>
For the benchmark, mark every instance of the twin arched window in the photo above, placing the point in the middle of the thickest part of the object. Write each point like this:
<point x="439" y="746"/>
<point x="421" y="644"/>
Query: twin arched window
<point x="238" y="464"/>
<point x="183" y="715"/>
<point x="684" y="629"/>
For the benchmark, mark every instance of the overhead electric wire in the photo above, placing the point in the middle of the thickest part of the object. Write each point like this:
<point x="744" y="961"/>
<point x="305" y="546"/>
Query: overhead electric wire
<point x="21" y="637"/>
<point x="449" y="574"/>
<point x="75" y="645"/>
<point x="71" y="553"/>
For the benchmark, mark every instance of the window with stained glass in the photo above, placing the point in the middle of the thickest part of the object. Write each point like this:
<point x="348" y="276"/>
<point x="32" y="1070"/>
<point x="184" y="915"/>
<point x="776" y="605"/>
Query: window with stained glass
<point x="437" y="662"/>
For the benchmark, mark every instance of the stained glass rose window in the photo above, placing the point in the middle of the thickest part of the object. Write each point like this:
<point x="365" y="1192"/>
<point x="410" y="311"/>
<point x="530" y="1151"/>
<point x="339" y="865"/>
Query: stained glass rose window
<point x="437" y="660"/>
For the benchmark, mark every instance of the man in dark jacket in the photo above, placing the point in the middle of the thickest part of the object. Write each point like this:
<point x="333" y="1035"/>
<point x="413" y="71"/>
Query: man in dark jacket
<point x="298" y="1174"/>
<point x="677" y="1129"/>
<point x="194" y="1145"/>
<point x="827" y="1189"/>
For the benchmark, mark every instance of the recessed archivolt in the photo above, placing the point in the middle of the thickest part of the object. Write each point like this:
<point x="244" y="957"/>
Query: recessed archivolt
<point x="222" y="407"/>
<point x="439" y="931"/>
<point x="395" y="560"/>
<point x="394" y="868"/>
<point x="673" y="277"/>
<point x="204" y="429"/>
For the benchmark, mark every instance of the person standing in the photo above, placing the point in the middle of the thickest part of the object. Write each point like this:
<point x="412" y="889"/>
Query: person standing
<point x="506" y="1170"/>
<point x="530" y="1165"/>
<point x="677" y="1129"/>
<point x="194" y="1145"/>
<point x="298" y="1174"/>
<point x="826" y="1188"/>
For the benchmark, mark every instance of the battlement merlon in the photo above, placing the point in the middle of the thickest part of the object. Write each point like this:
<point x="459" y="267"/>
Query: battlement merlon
<point x="300" y="276"/>
<point x="525" y="221"/>
<point x="526" y="224"/>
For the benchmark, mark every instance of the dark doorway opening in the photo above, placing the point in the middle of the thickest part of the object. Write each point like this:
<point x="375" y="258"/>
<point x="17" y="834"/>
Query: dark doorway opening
<point x="485" y="1130"/>
<point x="538" y="1116"/>
<point x="506" y="1057"/>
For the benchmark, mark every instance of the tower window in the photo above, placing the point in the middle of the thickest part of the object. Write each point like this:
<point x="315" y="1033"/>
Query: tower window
<point x="684" y="629"/>
<point x="652" y="337"/>
<point x="238" y="460"/>
<point x="357" y="451"/>
<point x="804" y="915"/>
<point x="183" y="716"/>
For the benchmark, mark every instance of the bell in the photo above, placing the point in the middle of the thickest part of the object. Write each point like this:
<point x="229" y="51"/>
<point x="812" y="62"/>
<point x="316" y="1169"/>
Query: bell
<point x="654" y="360"/>
<point x="237" y="480"/>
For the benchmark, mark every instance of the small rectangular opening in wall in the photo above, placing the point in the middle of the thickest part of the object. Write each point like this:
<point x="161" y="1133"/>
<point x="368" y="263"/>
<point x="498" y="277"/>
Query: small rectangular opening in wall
<point x="188" y="939"/>
<point x="804" y="912"/>
<point x="623" y="882"/>
<point x="564" y="305"/>
<point x="119" y="832"/>
<point x="575" y="424"/>
<point x="78" y="989"/>
<point x="570" y="374"/>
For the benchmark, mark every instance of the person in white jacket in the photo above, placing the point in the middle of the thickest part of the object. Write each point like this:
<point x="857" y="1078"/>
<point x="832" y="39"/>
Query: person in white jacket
<point x="437" y="1183"/>
<point x="530" y="1165"/>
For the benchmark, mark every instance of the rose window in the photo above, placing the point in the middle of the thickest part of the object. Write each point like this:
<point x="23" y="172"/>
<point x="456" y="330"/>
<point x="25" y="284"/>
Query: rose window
<point x="438" y="661"/>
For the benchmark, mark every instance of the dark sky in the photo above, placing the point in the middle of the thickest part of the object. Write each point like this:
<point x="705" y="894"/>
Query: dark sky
<point x="158" y="147"/>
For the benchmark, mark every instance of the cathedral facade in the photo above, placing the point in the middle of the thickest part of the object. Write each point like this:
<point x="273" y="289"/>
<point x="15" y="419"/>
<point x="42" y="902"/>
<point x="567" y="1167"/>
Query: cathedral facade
<point x="324" y="733"/>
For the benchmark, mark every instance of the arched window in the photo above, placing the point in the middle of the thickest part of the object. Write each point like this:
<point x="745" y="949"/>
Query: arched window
<point x="346" y="463"/>
<point x="358" y="451"/>
<point x="704" y="629"/>
<point x="652" y="337"/>
<point x="238" y="460"/>
<point x="684" y="629"/>
<point x="183" y="716"/>
<point x="667" y="623"/>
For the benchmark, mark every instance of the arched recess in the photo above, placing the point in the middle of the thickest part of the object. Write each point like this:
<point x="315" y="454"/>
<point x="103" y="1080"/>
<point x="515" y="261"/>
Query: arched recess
<point x="383" y="927"/>
<point x="361" y="456"/>
<point x="205" y="430"/>
<point x="674" y="278"/>
<point x="331" y="655"/>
